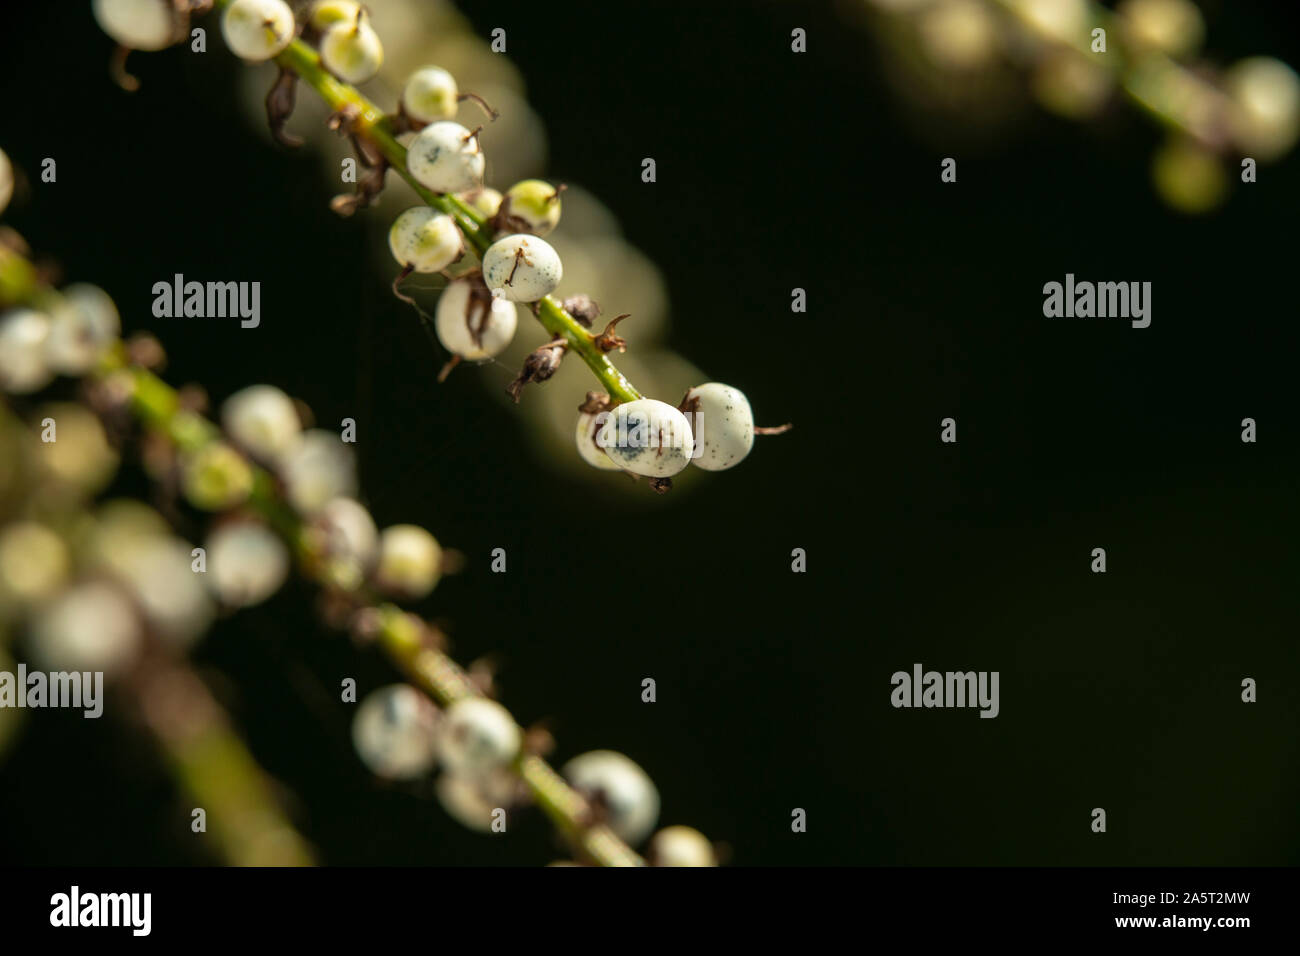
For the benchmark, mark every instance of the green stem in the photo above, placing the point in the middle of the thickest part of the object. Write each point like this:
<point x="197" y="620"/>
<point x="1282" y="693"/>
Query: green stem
<point x="215" y="767"/>
<point x="372" y="124"/>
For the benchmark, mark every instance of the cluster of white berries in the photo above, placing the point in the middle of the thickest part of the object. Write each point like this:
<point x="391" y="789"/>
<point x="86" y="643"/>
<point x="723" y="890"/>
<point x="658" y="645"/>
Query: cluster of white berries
<point x="89" y="606"/>
<point x="519" y="267"/>
<point x="400" y="735"/>
<point x="318" y="472"/>
<point x="652" y="438"/>
<point x="476" y="317"/>
<point x="645" y="437"/>
<point x="256" y="30"/>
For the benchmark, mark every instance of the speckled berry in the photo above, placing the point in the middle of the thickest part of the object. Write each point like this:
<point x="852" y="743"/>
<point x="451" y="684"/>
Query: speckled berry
<point x="257" y="29"/>
<point x="723" y="425"/>
<point x="425" y="239"/>
<point x="647" y="437"/>
<point x="522" y="268"/>
<point x="430" y="95"/>
<point x="446" y="158"/>
<point x="589" y="424"/>
<point x="478" y="736"/>
<point x="620" y="789"/>
<point x="475" y="327"/>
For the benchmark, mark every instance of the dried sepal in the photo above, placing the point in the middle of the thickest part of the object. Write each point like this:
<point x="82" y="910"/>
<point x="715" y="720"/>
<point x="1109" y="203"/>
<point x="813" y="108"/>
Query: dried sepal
<point x="280" y="101"/>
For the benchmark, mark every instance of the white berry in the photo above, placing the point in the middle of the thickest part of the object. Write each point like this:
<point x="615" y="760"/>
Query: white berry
<point x="473" y="800"/>
<point x="352" y="51"/>
<point x="349" y="534"/>
<point x="681" y="846"/>
<point x="23" y="363"/>
<point x="157" y="571"/>
<point x="647" y="437"/>
<point x="535" y="204"/>
<point x="317" y="469"/>
<point x="430" y="95"/>
<point x="395" y="732"/>
<point x="486" y="200"/>
<point x="471" y="328"/>
<point x="34" y="564"/>
<point x="257" y="29"/>
<point x="479" y="736"/>
<point x="326" y="13"/>
<point x="246" y="564"/>
<point x="91" y="627"/>
<point x="425" y="239"/>
<point x="1266" y="94"/>
<point x="446" y="158"/>
<point x="81" y="328"/>
<point x="620" y="787"/>
<point x="138" y="24"/>
<point x="723" y="425"/>
<point x="522" y="268"/>
<point x="263" y="421"/>
<point x="589" y="424"/>
<point x="410" y="561"/>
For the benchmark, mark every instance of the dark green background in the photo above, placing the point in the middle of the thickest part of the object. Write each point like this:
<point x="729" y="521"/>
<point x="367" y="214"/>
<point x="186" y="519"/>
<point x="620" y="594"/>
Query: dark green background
<point x="775" y="170"/>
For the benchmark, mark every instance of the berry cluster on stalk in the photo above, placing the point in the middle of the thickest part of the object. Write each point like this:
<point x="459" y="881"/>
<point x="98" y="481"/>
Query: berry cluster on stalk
<point x="112" y="588"/>
<point x="486" y="244"/>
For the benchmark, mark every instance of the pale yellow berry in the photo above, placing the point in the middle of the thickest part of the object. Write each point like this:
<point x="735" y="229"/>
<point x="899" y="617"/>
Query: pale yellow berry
<point x="681" y="846"/>
<point x="425" y="239"/>
<point x="430" y="95"/>
<point x="352" y="51"/>
<point x="410" y="561"/>
<point x="533" y="205"/>
<point x="257" y="29"/>
<point x="138" y="24"/>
